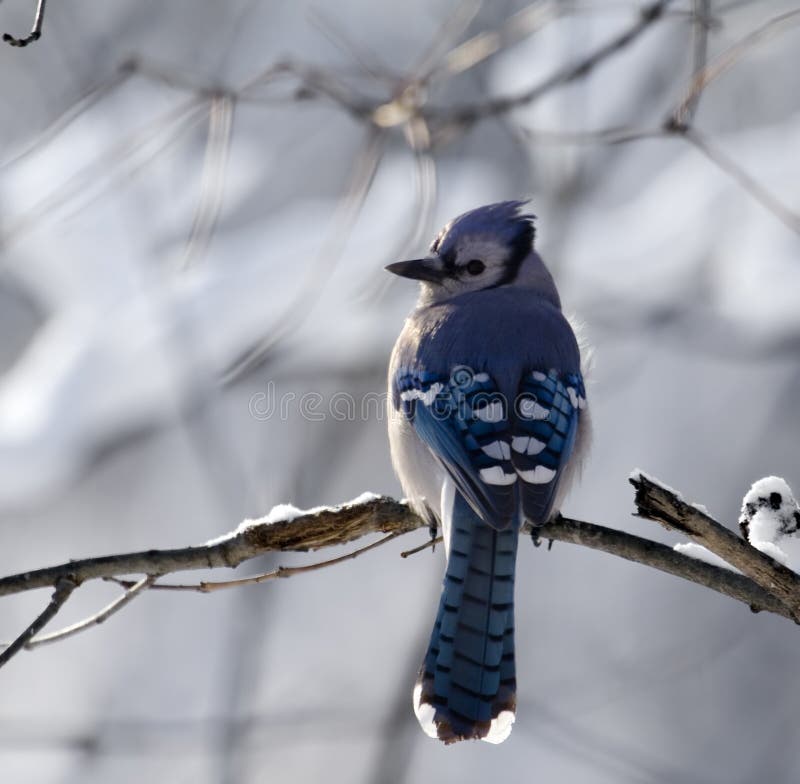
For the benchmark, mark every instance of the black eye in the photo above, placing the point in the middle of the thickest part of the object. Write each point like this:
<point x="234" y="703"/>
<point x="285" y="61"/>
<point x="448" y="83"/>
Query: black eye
<point x="475" y="267"/>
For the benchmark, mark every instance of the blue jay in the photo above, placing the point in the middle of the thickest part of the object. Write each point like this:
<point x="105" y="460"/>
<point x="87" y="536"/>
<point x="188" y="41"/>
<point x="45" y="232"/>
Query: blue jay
<point x="486" y="427"/>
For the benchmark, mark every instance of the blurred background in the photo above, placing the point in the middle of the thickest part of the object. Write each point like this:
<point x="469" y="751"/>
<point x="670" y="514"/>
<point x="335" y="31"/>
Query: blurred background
<point x="196" y="205"/>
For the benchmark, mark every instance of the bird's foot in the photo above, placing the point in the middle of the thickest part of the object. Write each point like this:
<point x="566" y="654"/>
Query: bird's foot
<point x="537" y="540"/>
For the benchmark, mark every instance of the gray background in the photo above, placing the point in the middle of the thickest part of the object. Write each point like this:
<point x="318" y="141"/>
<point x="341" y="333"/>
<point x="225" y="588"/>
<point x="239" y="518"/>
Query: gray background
<point x="115" y="433"/>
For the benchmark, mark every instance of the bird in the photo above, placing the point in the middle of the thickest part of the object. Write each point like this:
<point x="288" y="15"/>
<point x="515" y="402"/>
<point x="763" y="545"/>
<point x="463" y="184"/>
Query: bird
<point x="488" y="425"/>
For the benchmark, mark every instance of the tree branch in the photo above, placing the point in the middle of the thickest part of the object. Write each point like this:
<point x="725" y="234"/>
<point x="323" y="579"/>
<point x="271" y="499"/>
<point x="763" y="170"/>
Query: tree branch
<point x="36" y="31"/>
<point x="665" y="559"/>
<point x="133" y="590"/>
<point x="309" y="531"/>
<point x="659" y="503"/>
<point x="471" y="113"/>
<point x="764" y="585"/>
<point x="64" y="588"/>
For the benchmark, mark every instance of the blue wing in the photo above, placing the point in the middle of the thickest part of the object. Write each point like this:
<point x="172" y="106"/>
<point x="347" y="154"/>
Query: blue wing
<point x="547" y="410"/>
<point x="501" y="454"/>
<point x="465" y="422"/>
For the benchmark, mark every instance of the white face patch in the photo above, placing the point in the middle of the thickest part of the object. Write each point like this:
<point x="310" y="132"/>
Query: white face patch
<point x="496" y="476"/>
<point x="540" y="475"/>
<point x="499" y="450"/>
<point x="488" y="250"/>
<point x="500" y="728"/>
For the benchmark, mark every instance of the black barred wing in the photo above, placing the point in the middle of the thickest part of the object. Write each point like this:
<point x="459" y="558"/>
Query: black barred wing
<point x="545" y="424"/>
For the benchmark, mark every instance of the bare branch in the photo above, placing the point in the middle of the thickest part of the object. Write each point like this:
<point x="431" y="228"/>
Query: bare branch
<point x="623" y="134"/>
<point x="338" y="525"/>
<point x="431" y="543"/>
<point x="703" y="76"/>
<point x="64" y="588"/>
<point x="36" y="31"/>
<point x="218" y="141"/>
<point x="655" y="502"/>
<point x="665" y="559"/>
<point x="469" y="114"/>
<point x="310" y="531"/>
<point x="348" y="210"/>
<point x="748" y="183"/>
<point x="206" y="586"/>
<point x="94" y="620"/>
<point x="688" y="108"/>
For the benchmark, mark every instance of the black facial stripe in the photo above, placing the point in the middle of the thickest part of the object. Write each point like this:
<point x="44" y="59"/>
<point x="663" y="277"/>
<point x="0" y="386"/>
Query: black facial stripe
<point x="520" y="248"/>
<point x="449" y="261"/>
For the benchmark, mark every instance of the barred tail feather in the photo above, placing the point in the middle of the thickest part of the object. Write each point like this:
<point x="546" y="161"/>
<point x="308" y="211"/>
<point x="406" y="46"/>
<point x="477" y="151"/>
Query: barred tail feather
<point x="467" y="685"/>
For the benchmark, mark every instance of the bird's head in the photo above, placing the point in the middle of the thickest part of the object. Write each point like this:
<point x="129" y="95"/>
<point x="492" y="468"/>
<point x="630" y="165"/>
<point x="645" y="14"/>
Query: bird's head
<point x="484" y="248"/>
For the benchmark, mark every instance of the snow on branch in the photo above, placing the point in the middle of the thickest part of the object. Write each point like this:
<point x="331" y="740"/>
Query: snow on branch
<point x="655" y="501"/>
<point x="763" y="585"/>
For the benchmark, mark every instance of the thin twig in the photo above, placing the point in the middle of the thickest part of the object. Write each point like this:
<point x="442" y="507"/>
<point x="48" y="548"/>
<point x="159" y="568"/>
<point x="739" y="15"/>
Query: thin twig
<point x="144" y="142"/>
<point x="431" y="543"/>
<point x="725" y="163"/>
<point x="218" y="141"/>
<point x="297" y="310"/>
<point x="205" y="586"/>
<point x="36" y="31"/>
<point x="684" y="112"/>
<point x="468" y="114"/>
<point x="746" y="181"/>
<point x="64" y="587"/>
<point x="94" y="620"/>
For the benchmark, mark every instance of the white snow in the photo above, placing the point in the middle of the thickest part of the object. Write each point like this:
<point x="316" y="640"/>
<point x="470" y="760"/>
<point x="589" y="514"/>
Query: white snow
<point x="285" y="513"/>
<point x="769" y="510"/>
<point x="700" y="553"/>
<point x="773" y="551"/>
<point x="637" y="474"/>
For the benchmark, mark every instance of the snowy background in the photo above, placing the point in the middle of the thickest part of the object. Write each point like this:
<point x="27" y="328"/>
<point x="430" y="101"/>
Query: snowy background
<point x="152" y="235"/>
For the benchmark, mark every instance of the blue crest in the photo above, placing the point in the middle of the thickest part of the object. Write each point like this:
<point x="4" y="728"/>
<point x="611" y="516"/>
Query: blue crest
<point x="504" y="221"/>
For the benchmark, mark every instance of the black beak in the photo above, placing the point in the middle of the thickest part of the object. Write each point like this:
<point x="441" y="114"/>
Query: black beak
<point x="417" y="269"/>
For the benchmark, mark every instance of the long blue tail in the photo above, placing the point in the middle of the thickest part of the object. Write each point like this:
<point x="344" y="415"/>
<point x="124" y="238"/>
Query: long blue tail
<point x="467" y="685"/>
